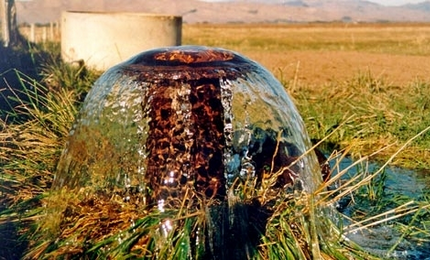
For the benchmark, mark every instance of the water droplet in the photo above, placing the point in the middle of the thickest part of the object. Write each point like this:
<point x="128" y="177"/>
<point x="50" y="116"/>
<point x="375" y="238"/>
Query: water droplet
<point x="247" y="171"/>
<point x="166" y="227"/>
<point x="160" y="205"/>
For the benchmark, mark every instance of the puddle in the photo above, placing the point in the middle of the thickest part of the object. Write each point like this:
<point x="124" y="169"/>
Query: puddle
<point x="381" y="239"/>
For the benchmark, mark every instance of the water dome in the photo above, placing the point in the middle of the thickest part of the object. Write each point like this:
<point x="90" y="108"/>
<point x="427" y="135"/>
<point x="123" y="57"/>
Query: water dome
<point x="186" y="122"/>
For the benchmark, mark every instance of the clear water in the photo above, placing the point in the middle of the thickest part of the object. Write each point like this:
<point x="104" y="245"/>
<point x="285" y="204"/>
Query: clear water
<point x="184" y="117"/>
<point x="380" y="239"/>
<point x="199" y="118"/>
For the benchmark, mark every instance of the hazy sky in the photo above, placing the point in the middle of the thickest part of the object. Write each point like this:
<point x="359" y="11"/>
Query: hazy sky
<point x="395" y="2"/>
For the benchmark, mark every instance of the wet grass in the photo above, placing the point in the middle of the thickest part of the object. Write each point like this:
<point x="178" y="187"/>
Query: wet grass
<point x="298" y="226"/>
<point x="38" y="107"/>
<point x="372" y="115"/>
<point x="295" y="228"/>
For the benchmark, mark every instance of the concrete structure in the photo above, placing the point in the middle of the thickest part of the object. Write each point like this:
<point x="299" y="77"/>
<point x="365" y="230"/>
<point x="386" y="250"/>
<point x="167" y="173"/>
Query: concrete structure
<point x="106" y="39"/>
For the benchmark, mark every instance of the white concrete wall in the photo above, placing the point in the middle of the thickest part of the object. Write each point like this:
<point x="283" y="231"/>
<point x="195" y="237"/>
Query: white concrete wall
<point x="106" y="39"/>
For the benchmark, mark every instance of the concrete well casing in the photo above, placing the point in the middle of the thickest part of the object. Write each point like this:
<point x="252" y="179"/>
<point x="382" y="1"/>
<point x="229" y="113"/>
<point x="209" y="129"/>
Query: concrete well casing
<point x="103" y="39"/>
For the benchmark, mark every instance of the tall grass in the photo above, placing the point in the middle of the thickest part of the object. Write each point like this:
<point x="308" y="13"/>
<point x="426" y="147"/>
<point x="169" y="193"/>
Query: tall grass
<point x="373" y="115"/>
<point x="287" y="226"/>
<point x="33" y="130"/>
<point x="380" y="115"/>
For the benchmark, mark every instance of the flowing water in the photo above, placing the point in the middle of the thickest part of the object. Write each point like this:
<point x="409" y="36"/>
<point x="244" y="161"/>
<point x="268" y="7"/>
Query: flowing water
<point x="397" y="183"/>
<point x="184" y="125"/>
<point x="185" y="117"/>
<point x="189" y="122"/>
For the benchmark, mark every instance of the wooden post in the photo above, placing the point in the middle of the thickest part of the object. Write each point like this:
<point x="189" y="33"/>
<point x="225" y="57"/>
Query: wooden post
<point x="44" y="34"/>
<point x="4" y="22"/>
<point x="51" y="31"/>
<point x="57" y="29"/>
<point x="32" y="33"/>
<point x="10" y="32"/>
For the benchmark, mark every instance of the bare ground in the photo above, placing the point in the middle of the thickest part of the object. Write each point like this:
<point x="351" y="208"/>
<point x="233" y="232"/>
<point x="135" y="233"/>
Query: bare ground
<point x="319" y="67"/>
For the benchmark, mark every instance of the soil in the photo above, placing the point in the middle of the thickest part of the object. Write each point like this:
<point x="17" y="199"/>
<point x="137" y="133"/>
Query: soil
<point x="320" y="67"/>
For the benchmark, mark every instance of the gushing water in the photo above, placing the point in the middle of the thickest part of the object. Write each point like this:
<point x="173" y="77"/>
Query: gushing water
<point x="177" y="126"/>
<point x="185" y="118"/>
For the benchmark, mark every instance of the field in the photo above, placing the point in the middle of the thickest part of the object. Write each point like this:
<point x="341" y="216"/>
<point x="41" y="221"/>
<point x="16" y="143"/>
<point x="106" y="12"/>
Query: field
<point x="322" y="53"/>
<point x="377" y="75"/>
<point x="361" y="88"/>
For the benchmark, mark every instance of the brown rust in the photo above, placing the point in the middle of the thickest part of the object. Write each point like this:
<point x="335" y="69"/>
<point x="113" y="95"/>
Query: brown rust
<point x="185" y="155"/>
<point x="186" y="142"/>
<point x="194" y="56"/>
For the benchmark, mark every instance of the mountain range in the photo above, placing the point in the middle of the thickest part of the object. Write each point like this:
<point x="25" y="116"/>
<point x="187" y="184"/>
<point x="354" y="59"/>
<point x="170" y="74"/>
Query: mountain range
<point x="233" y="11"/>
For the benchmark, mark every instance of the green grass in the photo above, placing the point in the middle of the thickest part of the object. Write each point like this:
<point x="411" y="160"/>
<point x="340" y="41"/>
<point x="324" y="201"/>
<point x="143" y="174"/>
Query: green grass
<point x="361" y="115"/>
<point x="43" y="103"/>
<point x="375" y="114"/>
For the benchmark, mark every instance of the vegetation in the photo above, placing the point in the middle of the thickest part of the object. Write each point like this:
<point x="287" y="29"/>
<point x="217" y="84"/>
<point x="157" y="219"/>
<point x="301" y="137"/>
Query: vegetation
<point x="375" y="114"/>
<point x="380" y="111"/>
<point x="33" y="130"/>
<point x="409" y="39"/>
<point x="363" y="115"/>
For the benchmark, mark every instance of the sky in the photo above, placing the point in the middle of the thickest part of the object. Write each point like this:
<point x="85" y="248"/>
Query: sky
<point x="396" y="2"/>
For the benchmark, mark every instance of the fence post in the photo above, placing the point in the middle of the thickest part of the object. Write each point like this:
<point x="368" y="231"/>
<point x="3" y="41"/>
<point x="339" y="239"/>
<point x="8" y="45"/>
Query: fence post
<point x="32" y="33"/>
<point x="4" y="22"/>
<point x="9" y="25"/>
<point x="44" y="35"/>
<point x="51" y="31"/>
<point x="57" y="29"/>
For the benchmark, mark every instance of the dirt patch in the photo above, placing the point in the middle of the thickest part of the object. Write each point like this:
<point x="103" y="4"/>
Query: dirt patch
<point x="319" y="67"/>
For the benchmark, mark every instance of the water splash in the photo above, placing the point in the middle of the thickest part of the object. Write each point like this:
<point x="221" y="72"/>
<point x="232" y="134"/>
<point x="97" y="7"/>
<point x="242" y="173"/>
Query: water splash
<point x="174" y="122"/>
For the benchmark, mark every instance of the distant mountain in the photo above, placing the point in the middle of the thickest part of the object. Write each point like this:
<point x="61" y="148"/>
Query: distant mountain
<point x="233" y="11"/>
<point x="295" y="3"/>
<point x="424" y="6"/>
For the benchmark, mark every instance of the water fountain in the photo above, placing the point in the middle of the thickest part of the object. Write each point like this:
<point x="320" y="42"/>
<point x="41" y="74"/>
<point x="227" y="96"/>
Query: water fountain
<point x="186" y="117"/>
<point x="184" y="127"/>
